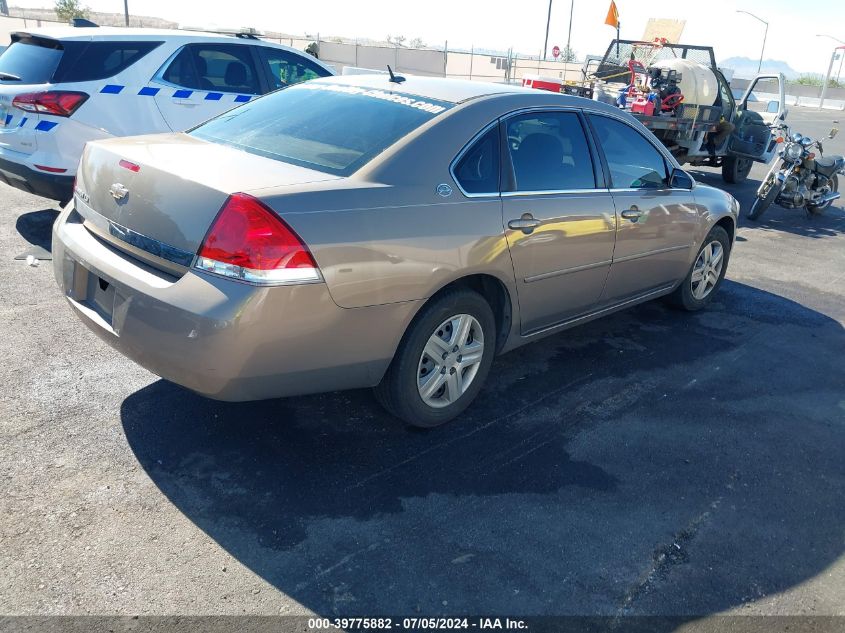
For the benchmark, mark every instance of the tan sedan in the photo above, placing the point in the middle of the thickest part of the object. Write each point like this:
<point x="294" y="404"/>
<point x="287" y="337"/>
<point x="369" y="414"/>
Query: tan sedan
<point x="374" y="232"/>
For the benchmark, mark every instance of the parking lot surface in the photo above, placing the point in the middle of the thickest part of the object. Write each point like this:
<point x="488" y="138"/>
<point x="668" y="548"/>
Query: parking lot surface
<point x="653" y="462"/>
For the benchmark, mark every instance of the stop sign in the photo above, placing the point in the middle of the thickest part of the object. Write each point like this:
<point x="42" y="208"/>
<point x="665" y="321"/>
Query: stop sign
<point x="556" y="51"/>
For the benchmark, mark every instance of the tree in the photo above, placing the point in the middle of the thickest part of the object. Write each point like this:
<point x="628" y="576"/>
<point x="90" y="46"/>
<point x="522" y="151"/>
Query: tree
<point x="396" y="40"/>
<point x="66" y="10"/>
<point x="568" y="54"/>
<point x="416" y="43"/>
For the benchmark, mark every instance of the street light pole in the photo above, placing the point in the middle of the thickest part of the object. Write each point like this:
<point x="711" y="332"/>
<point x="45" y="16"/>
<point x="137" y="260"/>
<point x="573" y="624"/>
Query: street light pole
<point x="841" y="55"/>
<point x="827" y="78"/>
<point x="765" y="35"/>
<point x="548" y="21"/>
<point x="126" y="11"/>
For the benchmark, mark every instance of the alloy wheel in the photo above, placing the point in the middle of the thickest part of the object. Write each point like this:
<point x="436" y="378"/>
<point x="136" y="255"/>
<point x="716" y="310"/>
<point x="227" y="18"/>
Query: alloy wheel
<point x="450" y="360"/>
<point x="707" y="269"/>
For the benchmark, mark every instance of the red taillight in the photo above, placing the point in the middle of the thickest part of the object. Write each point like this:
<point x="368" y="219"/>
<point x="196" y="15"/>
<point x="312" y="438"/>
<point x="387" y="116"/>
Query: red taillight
<point x="52" y="170"/>
<point x="55" y="102"/>
<point x="248" y="241"/>
<point x="130" y="166"/>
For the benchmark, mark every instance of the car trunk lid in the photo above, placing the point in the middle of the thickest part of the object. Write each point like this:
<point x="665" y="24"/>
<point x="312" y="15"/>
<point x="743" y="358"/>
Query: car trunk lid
<point x="160" y="194"/>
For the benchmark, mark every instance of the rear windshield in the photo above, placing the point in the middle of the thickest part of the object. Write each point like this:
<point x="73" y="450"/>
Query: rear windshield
<point x="329" y="127"/>
<point x="29" y="62"/>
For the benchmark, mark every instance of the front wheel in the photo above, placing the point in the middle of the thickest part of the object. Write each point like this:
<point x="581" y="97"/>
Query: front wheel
<point x="442" y="361"/>
<point x="736" y="169"/>
<point x="834" y="187"/>
<point x="706" y="274"/>
<point x="760" y="205"/>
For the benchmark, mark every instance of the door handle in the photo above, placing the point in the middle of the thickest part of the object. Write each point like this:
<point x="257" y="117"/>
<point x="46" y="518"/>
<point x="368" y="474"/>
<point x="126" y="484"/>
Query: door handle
<point x="527" y="223"/>
<point x="632" y="214"/>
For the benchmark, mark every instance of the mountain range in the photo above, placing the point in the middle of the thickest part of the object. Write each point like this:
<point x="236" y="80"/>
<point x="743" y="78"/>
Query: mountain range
<point x="746" y="67"/>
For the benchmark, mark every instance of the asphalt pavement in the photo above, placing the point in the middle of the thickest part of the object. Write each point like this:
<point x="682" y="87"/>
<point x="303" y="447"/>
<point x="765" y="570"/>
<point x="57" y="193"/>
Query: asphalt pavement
<point x="653" y="462"/>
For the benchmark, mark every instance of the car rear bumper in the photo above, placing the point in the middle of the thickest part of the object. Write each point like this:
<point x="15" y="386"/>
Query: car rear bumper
<point x="52" y="186"/>
<point x="221" y="338"/>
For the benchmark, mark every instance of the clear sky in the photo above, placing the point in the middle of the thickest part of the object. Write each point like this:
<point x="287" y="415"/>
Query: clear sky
<point x="500" y="24"/>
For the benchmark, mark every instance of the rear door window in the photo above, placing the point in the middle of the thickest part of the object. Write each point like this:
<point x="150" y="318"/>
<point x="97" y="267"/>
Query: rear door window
<point x="549" y="152"/>
<point x="92" y="61"/>
<point x="288" y="68"/>
<point x="30" y="61"/>
<point x="214" y="68"/>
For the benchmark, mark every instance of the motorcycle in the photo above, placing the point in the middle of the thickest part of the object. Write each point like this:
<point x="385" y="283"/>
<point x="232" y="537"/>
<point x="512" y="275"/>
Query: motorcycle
<point x="801" y="178"/>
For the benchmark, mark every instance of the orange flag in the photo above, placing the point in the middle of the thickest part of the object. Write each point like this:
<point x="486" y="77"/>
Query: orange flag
<point x="612" y="18"/>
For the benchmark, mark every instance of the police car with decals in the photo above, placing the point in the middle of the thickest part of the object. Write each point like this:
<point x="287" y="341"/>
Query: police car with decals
<point x="64" y="86"/>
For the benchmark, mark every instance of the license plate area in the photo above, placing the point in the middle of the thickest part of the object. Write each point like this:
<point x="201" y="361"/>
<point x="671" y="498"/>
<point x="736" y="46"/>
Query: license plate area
<point x="90" y="292"/>
<point x="100" y="297"/>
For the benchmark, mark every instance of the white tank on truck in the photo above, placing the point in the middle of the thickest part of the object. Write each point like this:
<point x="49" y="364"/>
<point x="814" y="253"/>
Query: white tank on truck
<point x="698" y="83"/>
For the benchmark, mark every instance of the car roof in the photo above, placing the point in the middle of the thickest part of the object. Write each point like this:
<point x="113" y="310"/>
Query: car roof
<point x="437" y="88"/>
<point x="123" y="33"/>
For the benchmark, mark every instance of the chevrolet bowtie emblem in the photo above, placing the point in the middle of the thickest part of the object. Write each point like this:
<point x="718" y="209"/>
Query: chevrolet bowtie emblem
<point x="118" y="191"/>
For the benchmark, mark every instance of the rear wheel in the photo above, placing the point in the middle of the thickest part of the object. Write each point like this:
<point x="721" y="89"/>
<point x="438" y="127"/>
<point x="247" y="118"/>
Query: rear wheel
<point x="736" y="169"/>
<point x="442" y="361"/>
<point x="760" y="204"/>
<point x="834" y="187"/>
<point x="706" y="274"/>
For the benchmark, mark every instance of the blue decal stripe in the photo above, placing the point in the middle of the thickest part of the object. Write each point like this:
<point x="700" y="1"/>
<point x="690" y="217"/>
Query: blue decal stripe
<point x="214" y="96"/>
<point x="183" y="94"/>
<point x="8" y="119"/>
<point x="45" y="126"/>
<point x="111" y="89"/>
<point x="23" y="122"/>
<point x="242" y="98"/>
<point x="148" y="92"/>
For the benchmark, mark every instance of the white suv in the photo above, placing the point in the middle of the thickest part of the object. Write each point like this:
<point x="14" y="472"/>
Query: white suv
<point x="63" y="87"/>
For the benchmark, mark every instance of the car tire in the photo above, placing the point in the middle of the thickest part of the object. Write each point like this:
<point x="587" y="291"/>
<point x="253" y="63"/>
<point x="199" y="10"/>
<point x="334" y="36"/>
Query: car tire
<point x="690" y="295"/>
<point x="735" y="169"/>
<point x="438" y="327"/>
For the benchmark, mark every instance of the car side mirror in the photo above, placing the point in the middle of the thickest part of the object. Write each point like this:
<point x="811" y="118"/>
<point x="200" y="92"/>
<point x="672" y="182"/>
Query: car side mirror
<point x="681" y="180"/>
<point x="772" y="107"/>
<point x="833" y="133"/>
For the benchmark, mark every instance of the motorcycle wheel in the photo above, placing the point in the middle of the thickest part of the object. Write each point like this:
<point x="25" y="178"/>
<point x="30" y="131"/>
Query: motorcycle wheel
<point x="818" y="210"/>
<point x="761" y="204"/>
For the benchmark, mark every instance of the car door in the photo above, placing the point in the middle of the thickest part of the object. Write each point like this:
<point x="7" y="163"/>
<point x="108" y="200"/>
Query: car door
<point x="201" y="81"/>
<point x="762" y="107"/>
<point x="656" y="222"/>
<point x="559" y="218"/>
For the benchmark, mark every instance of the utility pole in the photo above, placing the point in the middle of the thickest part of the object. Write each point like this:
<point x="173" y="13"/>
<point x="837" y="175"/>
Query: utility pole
<point x="4" y="8"/>
<point x="548" y="21"/>
<point x="827" y="78"/>
<point x="765" y="35"/>
<point x="126" y="11"/>
<point x="568" y="40"/>
<point x="835" y="39"/>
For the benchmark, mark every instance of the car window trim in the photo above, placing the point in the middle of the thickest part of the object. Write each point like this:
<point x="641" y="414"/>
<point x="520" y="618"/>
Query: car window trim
<point x="264" y="84"/>
<point x="600" y="183"/>
<point x="669" y="161"/>
<point x="469" y="145"/>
